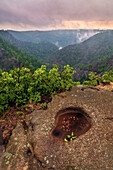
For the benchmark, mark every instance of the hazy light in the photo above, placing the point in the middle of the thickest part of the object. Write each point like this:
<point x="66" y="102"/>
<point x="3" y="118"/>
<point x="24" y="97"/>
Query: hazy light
<point x="88" y="24"/>
<point x="63" y="25"/>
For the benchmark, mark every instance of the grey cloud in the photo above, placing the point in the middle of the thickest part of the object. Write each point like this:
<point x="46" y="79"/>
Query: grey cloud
<point x="51" y="12"/>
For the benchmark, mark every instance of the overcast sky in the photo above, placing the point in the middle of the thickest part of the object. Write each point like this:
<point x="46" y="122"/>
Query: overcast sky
<point x="56" y="14"/>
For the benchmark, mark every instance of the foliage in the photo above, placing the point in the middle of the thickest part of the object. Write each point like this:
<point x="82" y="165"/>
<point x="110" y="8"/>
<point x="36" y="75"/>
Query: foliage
<point x="21" y="85"/>
<point x="40" y="50"/>
<point x="94" y="79"/>
<point x="44" y="105"/>
<point x="11" y="57"/>
<point x="70" y="137"/>
<point x="108" y="76"/>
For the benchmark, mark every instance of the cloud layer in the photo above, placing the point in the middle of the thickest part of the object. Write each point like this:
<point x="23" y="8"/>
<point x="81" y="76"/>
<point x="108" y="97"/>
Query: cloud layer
<point x="54" y="13"/>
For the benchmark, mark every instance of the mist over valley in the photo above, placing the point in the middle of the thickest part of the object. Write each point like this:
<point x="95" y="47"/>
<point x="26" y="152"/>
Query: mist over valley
<point x="60" y="38"/>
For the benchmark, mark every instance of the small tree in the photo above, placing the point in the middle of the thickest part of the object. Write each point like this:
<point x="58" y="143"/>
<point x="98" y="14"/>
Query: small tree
<point x="94" y="79"/>
<point x="108" y="76"/>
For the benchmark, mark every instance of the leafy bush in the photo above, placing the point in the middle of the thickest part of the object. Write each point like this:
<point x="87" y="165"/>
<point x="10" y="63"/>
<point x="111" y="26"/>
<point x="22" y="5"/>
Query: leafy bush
<point x="108" y="76"/>
<point x="20" y="85"/>
<point x="86" y="83"/>
<point x="94" y="79"/>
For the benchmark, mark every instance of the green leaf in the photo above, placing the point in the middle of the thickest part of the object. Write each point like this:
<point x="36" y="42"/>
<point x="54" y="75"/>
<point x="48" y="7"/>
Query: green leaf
<point x="74" y="137"/>
<point x="68" y="136"/>
<point x="72" y="134"/>
<point x="65" y="140"/>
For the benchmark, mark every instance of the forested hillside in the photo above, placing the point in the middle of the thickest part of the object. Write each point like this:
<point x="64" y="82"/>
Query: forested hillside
<point x="11" y="57"/>
<point x="100" y="67"/>
<point x="95" y="49"/>
<point x="94" y="54"/>
<point x="41" y="50"/>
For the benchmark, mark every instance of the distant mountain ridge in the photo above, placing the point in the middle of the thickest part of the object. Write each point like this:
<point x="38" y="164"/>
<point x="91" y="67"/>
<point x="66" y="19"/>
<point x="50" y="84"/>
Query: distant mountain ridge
<point x="61" y="38"/>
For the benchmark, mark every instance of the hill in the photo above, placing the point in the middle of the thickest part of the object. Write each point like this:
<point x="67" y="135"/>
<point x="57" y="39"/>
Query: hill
<point x="96" y="48"/>
<point x="11" y="57"/>
<point x="90" y="54"/>
<point x="100" y="67"/>
<point x="40" y="50"/>
<point x="61" y="38"/>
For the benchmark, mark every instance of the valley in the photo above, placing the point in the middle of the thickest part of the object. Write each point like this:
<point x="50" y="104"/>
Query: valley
<point x="83" y="52"/>
<point x="60" y="38"/>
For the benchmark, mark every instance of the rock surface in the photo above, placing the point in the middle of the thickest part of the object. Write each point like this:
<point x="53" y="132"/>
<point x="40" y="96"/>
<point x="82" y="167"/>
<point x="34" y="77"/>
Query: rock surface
<point x="39" y="148"/>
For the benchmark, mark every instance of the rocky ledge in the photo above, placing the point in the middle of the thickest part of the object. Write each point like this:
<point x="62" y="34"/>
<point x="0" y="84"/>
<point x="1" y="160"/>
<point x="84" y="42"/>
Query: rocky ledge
<point x="74" y="132"/>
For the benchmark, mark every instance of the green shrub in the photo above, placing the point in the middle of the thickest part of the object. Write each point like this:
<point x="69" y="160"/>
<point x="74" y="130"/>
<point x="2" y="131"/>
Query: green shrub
<point x="20" y="85"/>
<point x="108" y="76"/>
<point x="94" y="79"/>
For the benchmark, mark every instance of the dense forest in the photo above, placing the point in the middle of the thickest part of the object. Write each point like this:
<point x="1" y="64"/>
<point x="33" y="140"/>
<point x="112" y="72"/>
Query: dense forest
<point x="40" y="50"/>
<point x="11" y="57"/>
<point x="95" y="49"/>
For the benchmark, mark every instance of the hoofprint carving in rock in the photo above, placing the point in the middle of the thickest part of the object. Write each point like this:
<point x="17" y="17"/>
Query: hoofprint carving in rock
<point x="74" y="132"/>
